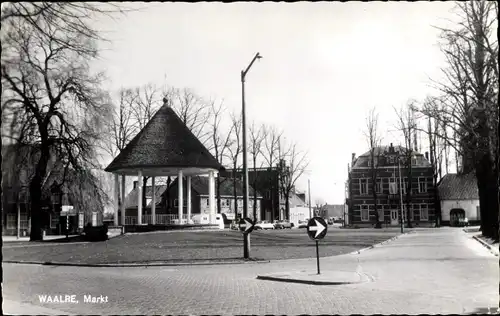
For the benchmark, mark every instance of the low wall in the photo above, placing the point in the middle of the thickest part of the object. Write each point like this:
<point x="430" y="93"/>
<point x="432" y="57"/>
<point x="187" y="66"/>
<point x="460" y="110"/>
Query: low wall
<point x="150" y="228"/>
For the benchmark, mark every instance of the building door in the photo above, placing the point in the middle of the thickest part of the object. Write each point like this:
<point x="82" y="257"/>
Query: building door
<point x="394" y="217"/>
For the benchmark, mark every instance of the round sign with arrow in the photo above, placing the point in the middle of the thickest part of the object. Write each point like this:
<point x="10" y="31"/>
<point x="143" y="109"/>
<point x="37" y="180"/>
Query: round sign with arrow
<point x="316" y="228"/>
<point x="246" y="225"/>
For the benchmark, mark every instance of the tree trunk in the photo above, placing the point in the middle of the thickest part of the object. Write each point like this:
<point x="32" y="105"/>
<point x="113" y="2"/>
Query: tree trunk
<point x="36" y="193"/>
<point x="287" y="206"/>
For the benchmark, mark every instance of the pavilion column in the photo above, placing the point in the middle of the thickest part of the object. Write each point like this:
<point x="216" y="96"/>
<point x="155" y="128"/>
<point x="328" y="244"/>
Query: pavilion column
<point x="123" y="200"/>
<point x="211" y="196"/>
<point x="117" y="197"/>
<point x="180" y="196"/>
<point x="139" y="198"/>
<point x="188" y="192"/>
<point x="153" y="202"/>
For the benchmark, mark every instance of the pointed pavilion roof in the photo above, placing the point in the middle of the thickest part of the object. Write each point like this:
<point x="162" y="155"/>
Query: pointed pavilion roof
<point x="162" y="148"/>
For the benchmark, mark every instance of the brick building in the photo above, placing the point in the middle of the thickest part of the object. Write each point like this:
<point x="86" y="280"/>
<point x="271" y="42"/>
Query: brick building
<point x="266" y="182"/>
<point x="361" y="206"/>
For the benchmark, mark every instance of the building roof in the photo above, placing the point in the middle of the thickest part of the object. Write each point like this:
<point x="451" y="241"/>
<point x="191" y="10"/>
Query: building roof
<point x="132" y="199"/>
<point x="458" y="187"/>
<point x="362" y="160"/>
<point x="162" y="147"/>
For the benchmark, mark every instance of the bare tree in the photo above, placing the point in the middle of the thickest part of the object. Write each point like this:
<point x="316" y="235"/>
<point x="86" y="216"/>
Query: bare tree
<point x="257" y="136"/>
<point x="435" y="154"/>
<point x="270" y="153"/>
<point x="220" y="142"/>
<point x="374" y="143"/>
<point x="46" y="77"/>
<point x="470" y="95"/>
<point x="408" y="127"/>
<point x="194" y="111"/>
<point x="235" y="149"/>
<point x="293" y="163"/>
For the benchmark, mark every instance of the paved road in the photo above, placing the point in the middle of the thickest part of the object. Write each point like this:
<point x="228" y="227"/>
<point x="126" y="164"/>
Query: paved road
<point x="430" y="271"/>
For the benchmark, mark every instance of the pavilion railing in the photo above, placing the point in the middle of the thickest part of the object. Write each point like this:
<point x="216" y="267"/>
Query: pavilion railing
<point x="161" y="219"/>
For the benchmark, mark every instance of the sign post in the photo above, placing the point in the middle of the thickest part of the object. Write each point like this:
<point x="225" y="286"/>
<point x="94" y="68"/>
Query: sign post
<point x="246" y="226"/>
<point x="67" y="210"/>
<point x="316" y="229"/>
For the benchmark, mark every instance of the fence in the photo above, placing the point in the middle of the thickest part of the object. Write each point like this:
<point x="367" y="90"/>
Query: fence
<point x="161" y="219"/>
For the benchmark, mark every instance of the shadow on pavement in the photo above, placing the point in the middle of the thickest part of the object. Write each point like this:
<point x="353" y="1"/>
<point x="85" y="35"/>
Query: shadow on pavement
<point x="485" y="310"/>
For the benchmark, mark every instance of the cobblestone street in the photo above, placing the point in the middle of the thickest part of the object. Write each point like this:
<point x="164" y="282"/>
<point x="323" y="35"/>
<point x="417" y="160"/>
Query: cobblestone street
<point x="430" y="271"/>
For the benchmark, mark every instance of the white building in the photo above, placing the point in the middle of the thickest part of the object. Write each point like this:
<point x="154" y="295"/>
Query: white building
<point x="459" y="198"/>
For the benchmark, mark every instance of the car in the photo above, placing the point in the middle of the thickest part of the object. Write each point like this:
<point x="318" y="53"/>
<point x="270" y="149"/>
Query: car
<point x="463" y="222"/>
<point x="338" y="223"/>
<point x="264" y="225"/>
<point x="282" y="224"/>
<point x="302" y="224"/>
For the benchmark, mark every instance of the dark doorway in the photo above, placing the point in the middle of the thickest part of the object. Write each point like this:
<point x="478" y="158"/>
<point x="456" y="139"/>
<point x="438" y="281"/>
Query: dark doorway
<point x="456" y="215"/>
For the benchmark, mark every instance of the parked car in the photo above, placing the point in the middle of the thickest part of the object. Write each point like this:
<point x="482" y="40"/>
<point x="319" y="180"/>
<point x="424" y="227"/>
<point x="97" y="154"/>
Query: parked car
<point x="264" y="225"/>
<point x="282" y="224"/>
<point x="463" y="222"/>
<point x="338" y="223"/>
<point x="302" y="224"/>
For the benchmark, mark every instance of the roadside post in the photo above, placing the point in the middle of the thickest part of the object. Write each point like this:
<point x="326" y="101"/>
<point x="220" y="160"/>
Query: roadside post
<point x="246" y="226"/>
<point x="67" y="210"/>
<point x="316" y="229"/>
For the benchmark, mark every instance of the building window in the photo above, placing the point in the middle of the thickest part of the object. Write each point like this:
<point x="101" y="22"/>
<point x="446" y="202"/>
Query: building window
<point x="365" y="214"/>
<point x="381" y="215"/>
<point x="424" y="212"/>
<point x="363" y="186"/>
<point x="422" y="185"/>
<point x="11" y="221"/>
<point x="54" y="220"/>
<point x="208" y="202"/>
<point x="412" y="212"/>
<point x="413" y="161"/>
<point x="392" y="186"/>
<point x="379" y="186"/>
<point x="228" y="202"/>
<point x="478" y="213"/>
<point x="80" y="220"/>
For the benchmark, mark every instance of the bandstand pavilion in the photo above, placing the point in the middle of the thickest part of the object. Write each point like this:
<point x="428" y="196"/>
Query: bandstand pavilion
<point x="164" y="147"/>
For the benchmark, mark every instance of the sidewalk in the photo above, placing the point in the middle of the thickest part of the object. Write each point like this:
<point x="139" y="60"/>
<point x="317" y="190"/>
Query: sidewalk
<point x="488" y="243"/>
<point x="49" y="237"/>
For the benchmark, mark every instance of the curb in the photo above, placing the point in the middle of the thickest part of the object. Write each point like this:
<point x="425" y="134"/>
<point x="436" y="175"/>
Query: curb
<point x="309" y="282"/>
<point x="357" y="252"/>
<point x="133" y="265"/>
<point x="489" y="247"/>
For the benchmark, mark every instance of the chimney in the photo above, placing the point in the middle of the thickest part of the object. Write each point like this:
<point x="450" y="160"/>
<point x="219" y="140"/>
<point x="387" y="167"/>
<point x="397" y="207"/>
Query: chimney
<point x="353" y="157"/>
<point x="427" y="155"/>
<point x="135" y="185"/>
<point x="391" y="149"/>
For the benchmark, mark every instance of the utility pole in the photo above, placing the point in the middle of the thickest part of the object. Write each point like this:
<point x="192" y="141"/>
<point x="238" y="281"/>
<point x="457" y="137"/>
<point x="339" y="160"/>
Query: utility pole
<point x="309" y="188"/>
<point x="246" y="237"/>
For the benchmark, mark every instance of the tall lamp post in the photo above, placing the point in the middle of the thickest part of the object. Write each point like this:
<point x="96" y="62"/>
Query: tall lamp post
<point x="246" y="237"/>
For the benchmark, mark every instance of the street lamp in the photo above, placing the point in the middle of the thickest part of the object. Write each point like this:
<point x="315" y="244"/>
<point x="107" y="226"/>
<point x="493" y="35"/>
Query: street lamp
<point x="246" y="239"/>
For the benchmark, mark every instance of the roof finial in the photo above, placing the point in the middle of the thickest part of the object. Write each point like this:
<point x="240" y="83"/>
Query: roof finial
<point x="165" y="101"/>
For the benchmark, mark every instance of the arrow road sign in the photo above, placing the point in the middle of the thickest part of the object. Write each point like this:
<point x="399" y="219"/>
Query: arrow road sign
<point x="317" y="228"/>
<point x="246" y="225"/>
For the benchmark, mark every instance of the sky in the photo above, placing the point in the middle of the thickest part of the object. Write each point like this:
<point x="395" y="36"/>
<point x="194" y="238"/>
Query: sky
<point x="324" y="66"/>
